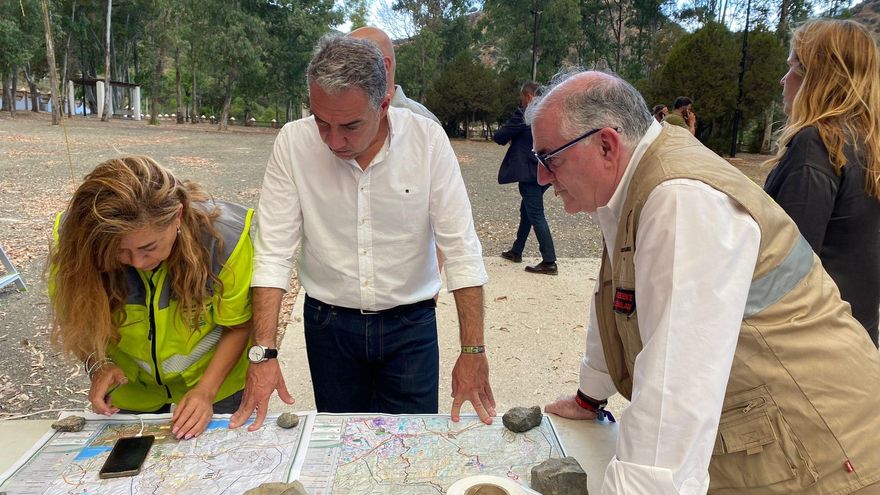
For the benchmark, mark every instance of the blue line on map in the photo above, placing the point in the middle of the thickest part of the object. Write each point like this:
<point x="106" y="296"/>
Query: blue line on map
<point x="218" y="423"/>
<point x="89" y="452"/>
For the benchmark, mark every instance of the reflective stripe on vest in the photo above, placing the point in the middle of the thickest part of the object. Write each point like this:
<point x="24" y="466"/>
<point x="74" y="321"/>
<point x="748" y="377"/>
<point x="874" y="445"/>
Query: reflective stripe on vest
<point x="775" y="284"/>
<point x="147" y="367"/>
<point x="180" y="362"/>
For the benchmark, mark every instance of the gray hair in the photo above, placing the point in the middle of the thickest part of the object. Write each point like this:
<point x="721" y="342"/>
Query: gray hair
<point x="607" y="102"/>
<point x="340" y="63"/>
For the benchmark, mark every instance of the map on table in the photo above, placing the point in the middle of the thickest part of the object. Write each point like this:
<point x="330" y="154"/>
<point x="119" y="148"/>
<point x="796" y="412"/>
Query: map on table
<point x="417" y="454"/>
<point x="220" y="460"/>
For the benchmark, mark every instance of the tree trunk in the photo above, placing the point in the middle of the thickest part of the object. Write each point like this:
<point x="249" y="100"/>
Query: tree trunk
<point x="53" y="74"/>
<point x="8" y="95"/>
<point x="64" y="76"/>
<point x="767" y="141"/>
<point x="107" y="114"/>
<point x="15" y="92"/>
<point x="32" y="87"/>
<point x="227" y="101"/>
<point x="195" y="95"/>
<point x="178" y="84"/>
<point x="157" y="74"/>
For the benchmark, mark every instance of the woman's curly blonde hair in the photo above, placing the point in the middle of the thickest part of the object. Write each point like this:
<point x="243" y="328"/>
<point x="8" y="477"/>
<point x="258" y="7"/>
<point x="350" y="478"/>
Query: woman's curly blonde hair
<point x="89" y="291"/>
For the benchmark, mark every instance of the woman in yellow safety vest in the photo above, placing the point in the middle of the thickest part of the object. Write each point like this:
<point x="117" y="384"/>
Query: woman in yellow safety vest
<point x="150" y="289"/>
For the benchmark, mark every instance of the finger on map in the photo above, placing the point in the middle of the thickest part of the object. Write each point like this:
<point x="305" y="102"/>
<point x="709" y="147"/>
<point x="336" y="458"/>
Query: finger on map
<point x="261" y="416"/>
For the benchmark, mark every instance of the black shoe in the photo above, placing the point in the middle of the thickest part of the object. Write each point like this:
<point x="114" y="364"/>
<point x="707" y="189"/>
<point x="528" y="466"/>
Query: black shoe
<point x="544" y="268"/>
<point x="511" y="256"/>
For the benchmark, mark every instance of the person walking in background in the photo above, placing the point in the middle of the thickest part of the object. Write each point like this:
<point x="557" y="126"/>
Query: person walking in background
<point x="827" y="174"/>
<point x="150" y="289"/>
<point x="682" y="114"/>
<point x="746" y="373"/>
<point x="520" y="166"/>
<point x="660" y="112"/>
<point x="359" y="195"/>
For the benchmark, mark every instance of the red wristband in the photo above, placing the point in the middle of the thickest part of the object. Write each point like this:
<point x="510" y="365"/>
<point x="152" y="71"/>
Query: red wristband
<point x="593" y="405"/>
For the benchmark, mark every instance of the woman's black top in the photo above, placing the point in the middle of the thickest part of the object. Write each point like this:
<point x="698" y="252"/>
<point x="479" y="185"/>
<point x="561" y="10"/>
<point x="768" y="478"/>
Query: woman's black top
<point x="835" y="215"/>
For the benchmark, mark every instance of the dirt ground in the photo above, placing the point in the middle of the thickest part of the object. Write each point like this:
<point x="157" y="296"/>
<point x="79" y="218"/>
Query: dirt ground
<point x="41" y="164"/>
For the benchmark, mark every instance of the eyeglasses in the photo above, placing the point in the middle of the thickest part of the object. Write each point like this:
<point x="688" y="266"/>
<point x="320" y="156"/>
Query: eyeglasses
<point x="544" y="158"/>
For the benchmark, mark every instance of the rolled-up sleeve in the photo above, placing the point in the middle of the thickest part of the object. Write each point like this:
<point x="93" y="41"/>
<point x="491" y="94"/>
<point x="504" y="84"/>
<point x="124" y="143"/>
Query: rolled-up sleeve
<point x="453" y="220"/>
<point x="279" y="217"/>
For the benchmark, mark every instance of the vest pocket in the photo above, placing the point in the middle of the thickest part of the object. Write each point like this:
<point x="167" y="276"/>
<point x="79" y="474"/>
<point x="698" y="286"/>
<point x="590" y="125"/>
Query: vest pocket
<point x="756" y="448"/>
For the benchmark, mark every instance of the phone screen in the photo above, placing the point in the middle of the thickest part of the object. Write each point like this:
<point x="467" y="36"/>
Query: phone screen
<point x="127" y="456"/>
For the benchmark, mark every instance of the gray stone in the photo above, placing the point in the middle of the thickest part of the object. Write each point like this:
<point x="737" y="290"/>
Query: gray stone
<point x="520" y="419"/>
<point x="559" y="477"/>
<point x="288" y="420"/>
<point x="70" y="423"/>
<point x="294" y="488"/>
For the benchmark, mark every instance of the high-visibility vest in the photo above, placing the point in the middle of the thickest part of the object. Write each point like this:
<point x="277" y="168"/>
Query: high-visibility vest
<point x="161" y="355"/>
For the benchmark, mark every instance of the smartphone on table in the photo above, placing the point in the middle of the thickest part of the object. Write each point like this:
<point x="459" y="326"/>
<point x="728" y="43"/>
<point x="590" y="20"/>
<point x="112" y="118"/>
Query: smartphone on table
<point x="127" y="457"/>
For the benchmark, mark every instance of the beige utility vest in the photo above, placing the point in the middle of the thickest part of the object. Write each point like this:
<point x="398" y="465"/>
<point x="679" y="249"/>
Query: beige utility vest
<point x="802" y="409"/>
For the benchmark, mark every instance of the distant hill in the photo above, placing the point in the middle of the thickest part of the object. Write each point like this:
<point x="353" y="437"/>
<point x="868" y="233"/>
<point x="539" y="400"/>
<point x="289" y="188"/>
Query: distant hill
<point x="868" y="13"/>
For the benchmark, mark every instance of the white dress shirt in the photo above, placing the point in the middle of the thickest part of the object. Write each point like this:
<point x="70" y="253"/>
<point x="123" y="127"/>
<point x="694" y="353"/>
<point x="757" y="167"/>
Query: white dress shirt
<point x="367" y="236"/>
<point x="400" y="100"/>
<point x="696" y="251"/>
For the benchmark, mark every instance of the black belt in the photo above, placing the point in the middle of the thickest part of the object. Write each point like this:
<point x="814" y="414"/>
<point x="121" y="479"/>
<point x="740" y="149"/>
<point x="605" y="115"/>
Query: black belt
<point x="427" y="303"/>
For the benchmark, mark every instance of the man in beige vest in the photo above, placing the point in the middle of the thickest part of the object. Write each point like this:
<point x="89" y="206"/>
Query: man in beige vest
<point x="746" y="372"/>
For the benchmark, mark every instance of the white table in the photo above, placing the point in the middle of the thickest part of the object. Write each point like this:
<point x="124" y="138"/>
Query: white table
<point x="591" y="443"/>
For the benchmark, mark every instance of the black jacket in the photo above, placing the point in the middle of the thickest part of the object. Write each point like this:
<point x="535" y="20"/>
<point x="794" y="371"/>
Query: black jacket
<point x="519" y="164"/>
<point x="835" y="215"/>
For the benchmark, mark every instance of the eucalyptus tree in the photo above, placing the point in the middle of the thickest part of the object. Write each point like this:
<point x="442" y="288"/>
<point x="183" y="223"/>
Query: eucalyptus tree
<point x="510" y="26"/>
<point x="440" y="32"/>
<point x="293" y="29"/>
<point x="12" y="55"/>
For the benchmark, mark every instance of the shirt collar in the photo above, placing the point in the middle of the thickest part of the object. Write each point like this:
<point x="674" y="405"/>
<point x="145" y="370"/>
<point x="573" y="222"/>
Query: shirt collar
<point x="398" y="97"/>
<point x="608" y="216"/>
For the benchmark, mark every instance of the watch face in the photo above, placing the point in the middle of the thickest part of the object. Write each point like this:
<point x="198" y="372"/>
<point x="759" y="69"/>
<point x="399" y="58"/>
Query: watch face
<point x="256" y="354"/>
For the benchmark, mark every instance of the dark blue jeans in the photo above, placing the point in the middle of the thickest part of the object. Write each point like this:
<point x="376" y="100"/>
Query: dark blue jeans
<point x="387" y="363"/>
<point x="531" y="216"/>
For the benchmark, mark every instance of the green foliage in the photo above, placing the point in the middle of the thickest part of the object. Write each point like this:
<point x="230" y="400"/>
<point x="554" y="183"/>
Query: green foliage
<point x="511" y="25"/>
<point x="714" y="86"/>
<point x="357" y="11"/>
<point x="765" y="66"/>
<point x="466" y="91"/>
<point x="12" y="51"/>
<point x="417" y="60"/>
<point x="465" y="64"/>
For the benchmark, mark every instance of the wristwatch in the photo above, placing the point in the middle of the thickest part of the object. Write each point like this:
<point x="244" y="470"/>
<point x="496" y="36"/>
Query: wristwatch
<point x="258" y="354"/>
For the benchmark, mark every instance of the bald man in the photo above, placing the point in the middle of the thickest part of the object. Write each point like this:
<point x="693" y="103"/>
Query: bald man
<point x="398" y="98"/>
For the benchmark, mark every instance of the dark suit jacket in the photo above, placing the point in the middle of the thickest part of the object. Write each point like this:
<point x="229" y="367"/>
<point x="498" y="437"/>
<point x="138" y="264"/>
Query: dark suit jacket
<point x="519" y="164"/>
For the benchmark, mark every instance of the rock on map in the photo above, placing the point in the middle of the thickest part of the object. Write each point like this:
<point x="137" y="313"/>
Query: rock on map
<point x="417" y="454"/>
<point x="219" y="461"/>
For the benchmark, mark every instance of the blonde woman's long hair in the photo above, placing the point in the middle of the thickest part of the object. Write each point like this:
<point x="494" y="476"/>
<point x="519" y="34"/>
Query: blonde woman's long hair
<point x="121" y="196"/>
<point x="839" y="94"/>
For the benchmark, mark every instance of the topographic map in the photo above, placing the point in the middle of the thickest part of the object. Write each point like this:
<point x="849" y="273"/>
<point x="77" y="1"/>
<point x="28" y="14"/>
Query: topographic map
<point x="219" y="461"/>
<point x="417" y="454"/>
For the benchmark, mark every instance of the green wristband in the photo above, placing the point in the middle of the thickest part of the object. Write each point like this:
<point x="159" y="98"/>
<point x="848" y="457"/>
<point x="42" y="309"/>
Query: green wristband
<point x="473" y="349"/>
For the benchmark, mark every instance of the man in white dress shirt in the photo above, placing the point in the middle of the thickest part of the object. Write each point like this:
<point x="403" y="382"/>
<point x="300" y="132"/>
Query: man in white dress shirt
<point x="745" y="370"/>
<point x="359" y="194"/>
